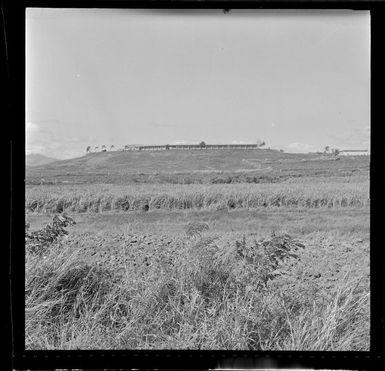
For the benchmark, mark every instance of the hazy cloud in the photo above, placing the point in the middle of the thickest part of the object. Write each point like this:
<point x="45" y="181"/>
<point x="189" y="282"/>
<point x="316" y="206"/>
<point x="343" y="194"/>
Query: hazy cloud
<point x="300" y="147"/>
<point x="160" y="125"/>
<point x="31" y="127"/>
<point x="357" y="138"/>
<point x="243" y="142"/>
<point x="183" y="142"/>
<point x="45" y="142"/>
<point x="257" y="141"/>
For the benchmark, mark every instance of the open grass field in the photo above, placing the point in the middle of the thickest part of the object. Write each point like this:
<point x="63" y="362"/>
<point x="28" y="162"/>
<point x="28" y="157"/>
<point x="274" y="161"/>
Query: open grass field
<point x="278" y="264"/>
<point x="341" y="221"/>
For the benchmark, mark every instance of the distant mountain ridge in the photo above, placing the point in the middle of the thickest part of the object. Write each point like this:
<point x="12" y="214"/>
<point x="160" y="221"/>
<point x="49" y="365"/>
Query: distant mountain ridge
<point x="36" y="159"/>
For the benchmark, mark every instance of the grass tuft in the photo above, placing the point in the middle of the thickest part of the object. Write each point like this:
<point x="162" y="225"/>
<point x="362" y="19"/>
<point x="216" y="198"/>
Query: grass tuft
<point x="227" y="292"/>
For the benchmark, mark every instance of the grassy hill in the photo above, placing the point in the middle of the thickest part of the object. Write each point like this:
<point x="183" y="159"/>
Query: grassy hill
<point x="194" y="166"/>
<point x="36" y="159"/>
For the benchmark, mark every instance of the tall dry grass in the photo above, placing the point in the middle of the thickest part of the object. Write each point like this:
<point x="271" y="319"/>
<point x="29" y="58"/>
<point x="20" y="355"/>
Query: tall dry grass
<point x="228" y="292"/>
<point x="100" y="198"/>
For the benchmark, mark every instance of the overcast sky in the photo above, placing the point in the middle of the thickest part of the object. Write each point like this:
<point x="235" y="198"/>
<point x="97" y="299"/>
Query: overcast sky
<point x="297" y="80"/>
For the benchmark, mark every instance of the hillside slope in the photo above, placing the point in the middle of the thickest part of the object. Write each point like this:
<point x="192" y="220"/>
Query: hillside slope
<point x="174" y="160"/>
<point x="201" y="166"/>
<point x="36" y="159"/>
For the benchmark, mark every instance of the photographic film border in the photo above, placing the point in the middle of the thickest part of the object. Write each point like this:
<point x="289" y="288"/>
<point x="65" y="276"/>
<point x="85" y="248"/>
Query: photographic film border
<point x="14" y="36"/>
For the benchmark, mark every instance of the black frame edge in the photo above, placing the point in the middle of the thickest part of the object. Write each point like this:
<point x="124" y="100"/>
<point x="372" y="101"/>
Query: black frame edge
<point x="373" y="360"/>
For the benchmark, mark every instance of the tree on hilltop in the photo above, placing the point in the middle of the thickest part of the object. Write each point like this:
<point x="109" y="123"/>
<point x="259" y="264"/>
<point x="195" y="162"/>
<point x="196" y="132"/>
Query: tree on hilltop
<point x="202" y="144"/>
<point x="88" y="149"/>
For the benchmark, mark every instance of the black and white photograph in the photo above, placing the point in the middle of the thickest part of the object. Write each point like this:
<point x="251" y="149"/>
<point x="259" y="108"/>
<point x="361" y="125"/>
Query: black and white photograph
<point x="197" y="179"/>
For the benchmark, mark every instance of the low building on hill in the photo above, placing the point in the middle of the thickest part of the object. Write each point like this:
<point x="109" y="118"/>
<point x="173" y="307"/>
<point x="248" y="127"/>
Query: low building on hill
<point x="204" y="146"/>
<point x="198" y="146"/>
<point x="354" y="152"/>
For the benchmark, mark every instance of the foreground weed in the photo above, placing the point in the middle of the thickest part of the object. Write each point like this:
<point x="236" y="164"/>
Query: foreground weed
<point x="207" y="292"/>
